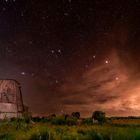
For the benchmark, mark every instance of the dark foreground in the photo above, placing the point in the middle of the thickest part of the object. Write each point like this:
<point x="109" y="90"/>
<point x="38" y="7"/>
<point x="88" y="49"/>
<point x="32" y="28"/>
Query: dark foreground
<point x="59" y="129"/>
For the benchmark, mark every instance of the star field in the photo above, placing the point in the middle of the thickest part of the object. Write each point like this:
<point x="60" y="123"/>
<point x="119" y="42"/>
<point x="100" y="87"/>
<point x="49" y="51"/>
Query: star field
<point x="82" y="55"/>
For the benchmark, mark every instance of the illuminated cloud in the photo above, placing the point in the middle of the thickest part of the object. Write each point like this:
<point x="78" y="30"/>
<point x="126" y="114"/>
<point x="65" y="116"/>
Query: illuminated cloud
<point x="100" y="88"/>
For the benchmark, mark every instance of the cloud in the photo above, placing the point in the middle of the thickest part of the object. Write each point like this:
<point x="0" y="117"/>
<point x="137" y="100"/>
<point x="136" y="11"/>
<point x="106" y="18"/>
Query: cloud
<point x="113" y="88"/>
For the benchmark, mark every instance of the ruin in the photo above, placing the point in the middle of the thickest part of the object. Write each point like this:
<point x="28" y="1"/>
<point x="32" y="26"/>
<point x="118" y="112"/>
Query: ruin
<point x="11" y="103"/>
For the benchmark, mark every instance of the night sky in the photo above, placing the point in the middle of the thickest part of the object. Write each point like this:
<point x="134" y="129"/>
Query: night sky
<point x="73" y="55"/>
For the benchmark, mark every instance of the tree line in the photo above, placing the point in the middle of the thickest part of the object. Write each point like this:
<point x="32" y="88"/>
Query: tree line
<point x="73" y="118"/>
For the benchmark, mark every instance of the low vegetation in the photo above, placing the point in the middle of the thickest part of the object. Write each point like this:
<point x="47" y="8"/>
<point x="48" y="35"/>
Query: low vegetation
<point x="71" y="127"/>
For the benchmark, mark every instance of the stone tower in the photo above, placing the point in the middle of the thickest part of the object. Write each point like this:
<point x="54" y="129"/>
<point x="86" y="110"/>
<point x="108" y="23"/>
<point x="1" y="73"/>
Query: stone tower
<point x="11" y="103"/>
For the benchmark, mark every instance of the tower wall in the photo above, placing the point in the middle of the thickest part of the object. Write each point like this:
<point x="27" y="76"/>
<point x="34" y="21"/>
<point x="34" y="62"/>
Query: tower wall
<point x="11" y="104"/>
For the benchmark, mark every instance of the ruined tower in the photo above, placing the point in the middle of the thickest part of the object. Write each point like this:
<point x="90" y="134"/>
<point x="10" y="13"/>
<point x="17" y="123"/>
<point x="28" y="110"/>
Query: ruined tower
<point x="11" y="103"/>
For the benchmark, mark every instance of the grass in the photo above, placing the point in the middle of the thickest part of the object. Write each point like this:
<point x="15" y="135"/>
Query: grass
<point x="113" y="130"/>
<point x="126" y="121"/>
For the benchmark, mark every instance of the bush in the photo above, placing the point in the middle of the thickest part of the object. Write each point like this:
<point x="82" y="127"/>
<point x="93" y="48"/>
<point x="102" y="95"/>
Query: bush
<point x="62" y="121"/>
<point x="99" y="116"/>
<point x="36" y="119"/>
<point x="87" y="121"/>
<point x="45" y="119"/>
<point x="21" y="124"/>
<point x="71" y="121"/>
<point x="58" y="121"/>
<point x="76" y="115"/>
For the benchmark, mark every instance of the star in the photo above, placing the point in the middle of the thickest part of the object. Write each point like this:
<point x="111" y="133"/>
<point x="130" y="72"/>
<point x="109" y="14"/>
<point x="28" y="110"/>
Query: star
<point x="66" y="14"/>
<point x="94" y="56"/>
<point x="23" y="73"/>
<point x="117" y="78"/>
<point x="52" y="51"/>
<point x="59" y="51"/>
<point x="106" y="61"/>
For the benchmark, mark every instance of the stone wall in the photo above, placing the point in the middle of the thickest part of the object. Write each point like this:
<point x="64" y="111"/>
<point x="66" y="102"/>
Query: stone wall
<point x="11" y="103"/>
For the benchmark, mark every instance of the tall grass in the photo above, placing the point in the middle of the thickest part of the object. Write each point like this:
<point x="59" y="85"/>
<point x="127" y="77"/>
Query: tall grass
<point x="24" y="130"/>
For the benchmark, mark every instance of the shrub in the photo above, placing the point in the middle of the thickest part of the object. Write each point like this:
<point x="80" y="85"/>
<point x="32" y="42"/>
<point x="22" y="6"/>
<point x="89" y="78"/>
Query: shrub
<point x="71" y="121"/>
<point x="36" y="119"/>
<point x="58" y="121"/>
<point x="87" y="121"/>
<point x="76" y="115"/>
<point x="21" y="124"/>
<point x="99" y="116"/>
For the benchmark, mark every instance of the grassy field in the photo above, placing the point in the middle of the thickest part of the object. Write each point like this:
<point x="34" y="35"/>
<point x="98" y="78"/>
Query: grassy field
<point x="114" y="129"/>
<point x="126" y="121"/>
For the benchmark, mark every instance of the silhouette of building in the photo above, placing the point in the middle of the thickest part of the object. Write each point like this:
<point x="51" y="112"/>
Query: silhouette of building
<point x="11" y="103"/>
